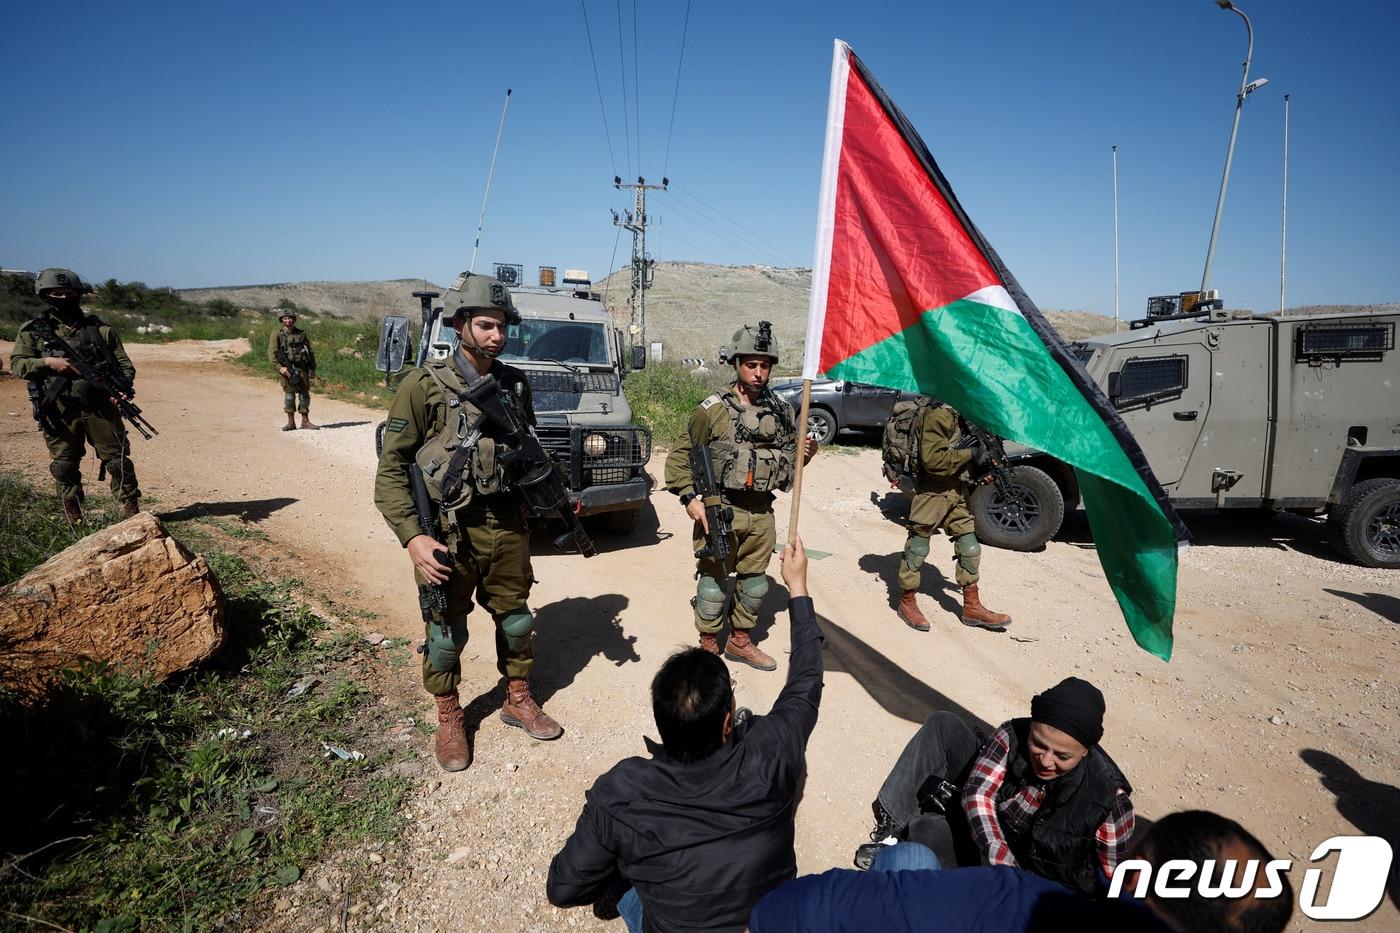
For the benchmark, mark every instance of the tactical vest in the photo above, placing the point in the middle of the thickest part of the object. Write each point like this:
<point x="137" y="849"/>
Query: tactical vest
<point x="86" y="338"/>
<point x="295" y="346"/>
<point x="757" y="451"/>
<point x="461" y="461"/>
<point x="1061" y="843"/>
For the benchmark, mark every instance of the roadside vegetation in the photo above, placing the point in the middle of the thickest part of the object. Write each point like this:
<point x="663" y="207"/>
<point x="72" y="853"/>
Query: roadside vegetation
<point x="137" y="805"/>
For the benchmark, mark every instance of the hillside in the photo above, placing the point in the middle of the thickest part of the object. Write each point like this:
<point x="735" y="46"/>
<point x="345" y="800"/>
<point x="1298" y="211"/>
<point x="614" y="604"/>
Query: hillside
<point x="361" y="300"/>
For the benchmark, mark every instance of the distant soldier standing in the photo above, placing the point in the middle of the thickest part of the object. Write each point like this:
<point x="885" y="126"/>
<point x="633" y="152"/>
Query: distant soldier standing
<point x="289" y="349"/>
<point x="487" y="553"/>
<point x="940" y="501"/>
<point x="69" y="411"/>
<point x="752" y="436"/>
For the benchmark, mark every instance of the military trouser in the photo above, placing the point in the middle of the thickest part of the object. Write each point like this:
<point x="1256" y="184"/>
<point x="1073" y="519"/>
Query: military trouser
<point x="931" y="510"/>
<point x="754" y="535"/>
<point x="491" y="561"/>
<point x="296" y="394"/>
<point x="65" y="436"/>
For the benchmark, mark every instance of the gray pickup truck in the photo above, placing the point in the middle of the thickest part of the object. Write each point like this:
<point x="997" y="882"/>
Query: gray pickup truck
<point x="836" y="405"/>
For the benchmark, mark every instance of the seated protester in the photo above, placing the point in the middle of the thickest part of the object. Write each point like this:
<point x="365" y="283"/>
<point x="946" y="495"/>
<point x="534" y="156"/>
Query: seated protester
<point x="702" y="829"/>
<point x="1041" y="794"/>
<point x="900" y="894"/>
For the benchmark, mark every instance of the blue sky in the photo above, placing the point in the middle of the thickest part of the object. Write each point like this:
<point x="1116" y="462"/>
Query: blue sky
<point x="234" y="143"/>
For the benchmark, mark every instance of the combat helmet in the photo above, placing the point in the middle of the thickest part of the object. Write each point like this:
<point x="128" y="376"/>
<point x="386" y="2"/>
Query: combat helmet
<point x="286" y="312"/>
<point x="473" y="292"/>
<point x="751" y="341"/>
<point x="59" y="278"/>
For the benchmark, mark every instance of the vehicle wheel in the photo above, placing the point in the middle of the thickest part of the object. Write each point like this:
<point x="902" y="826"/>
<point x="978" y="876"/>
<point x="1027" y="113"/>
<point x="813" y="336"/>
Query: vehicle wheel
<point x="619" y="523"/>
<point x="1027" y="521"/>
<point x="821" y="425"/>
<point x="1366" y="528"/>
<point x="379" y="437"/>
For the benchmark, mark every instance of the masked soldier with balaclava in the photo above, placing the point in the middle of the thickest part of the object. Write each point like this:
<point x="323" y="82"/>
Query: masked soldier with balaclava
<point x="70" y="412"/>
<point x="289" y="349"/>
<point x="752" y="438"/>
<point x="487" y="550"/>
<point x="940" y="501"/>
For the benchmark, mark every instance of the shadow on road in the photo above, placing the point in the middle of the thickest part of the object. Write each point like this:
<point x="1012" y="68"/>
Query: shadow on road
<point x="250" y="510"/>
<point x="1245" y="528"/>
<point x="342" y="424"/>
<point x="1382" y="604"/>
<point x="1370" y="806"/>
<point x="886" y="567"/>
<point x="645" y="532"/>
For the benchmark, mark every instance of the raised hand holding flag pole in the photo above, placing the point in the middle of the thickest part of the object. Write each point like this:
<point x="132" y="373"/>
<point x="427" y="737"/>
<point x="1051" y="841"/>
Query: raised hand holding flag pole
<point x="908" y="294"/>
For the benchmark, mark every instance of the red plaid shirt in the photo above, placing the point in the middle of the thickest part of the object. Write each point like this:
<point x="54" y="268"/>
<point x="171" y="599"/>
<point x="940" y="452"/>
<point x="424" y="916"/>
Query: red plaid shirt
<point x="987" y="817"/>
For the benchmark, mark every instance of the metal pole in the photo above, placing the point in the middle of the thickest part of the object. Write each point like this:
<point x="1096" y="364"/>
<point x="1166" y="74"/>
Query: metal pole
<point x="1283" y="250"/>
<point x="491" y="173"/>
<point x="1230" y="152"/>
<point x="1115" y="239"/>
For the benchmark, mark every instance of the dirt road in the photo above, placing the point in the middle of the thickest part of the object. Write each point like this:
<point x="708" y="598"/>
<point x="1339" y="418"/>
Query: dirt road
<point x="1279" y="709"/>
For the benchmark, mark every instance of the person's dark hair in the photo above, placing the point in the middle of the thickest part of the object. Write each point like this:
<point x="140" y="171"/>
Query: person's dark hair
<point x="1198" y="835"/>
<point x="690" y="696"/>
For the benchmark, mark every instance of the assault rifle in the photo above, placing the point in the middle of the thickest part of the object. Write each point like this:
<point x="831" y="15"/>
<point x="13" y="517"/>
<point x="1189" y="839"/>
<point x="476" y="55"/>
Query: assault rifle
<point x="718" y="516"/>
<point x="974" y="436"/>
<point x="528" y="466"/>
<point x="432" y="598"/>
<point x="296" y="375"/>
<point x="102" y="374"/>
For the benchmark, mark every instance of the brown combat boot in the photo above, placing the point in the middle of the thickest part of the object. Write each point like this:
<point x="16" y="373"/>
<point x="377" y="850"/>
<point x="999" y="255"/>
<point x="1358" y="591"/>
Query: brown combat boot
<point x="72" y="511"/>
<point x="450" y="745"/>
<point x="909" y="611"/>
<point x="291" y="424"/>
<point x="739" y="647"/>
<point x="131" y="508"/>
<point x="521" y="710"/>
<point x="710" y="642"/>
<point x="974" y="613"/>
<point x="306" y="424"/>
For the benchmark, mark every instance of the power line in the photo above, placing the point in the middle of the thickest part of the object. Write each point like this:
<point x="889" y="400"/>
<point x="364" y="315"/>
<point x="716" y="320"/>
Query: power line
<point x="637" y="84"/>
<point x="598" y="83"/>
<point x="608" y="287"/>
<point x="675" y="95"/>
<point x="733" y="238"/>
<point x="626" y="113"/>
<point x="730" y="220"/>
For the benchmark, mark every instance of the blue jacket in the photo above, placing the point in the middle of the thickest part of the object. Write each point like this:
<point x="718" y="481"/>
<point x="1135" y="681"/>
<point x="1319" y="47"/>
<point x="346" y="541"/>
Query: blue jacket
<point x="956" y="900"/>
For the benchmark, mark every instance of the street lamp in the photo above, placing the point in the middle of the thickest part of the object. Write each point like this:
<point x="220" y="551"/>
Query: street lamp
<point x="1247" y="87"/>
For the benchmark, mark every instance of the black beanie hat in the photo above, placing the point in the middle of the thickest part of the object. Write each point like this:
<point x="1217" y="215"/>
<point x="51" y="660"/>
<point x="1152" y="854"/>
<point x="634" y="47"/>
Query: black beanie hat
<point x="1073" y="706"/>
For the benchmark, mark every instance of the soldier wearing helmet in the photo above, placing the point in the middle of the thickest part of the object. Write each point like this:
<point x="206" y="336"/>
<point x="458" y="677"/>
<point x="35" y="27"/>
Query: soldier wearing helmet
<point x="486" y="554"/>
<point x="69" y="412"/>
<point x="289" y="349"/>
<point x="752" y="435"/>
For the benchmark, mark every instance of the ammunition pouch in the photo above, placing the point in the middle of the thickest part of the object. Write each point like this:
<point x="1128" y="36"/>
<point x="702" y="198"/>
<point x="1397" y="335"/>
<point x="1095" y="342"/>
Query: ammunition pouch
<point x="742" y="468"/>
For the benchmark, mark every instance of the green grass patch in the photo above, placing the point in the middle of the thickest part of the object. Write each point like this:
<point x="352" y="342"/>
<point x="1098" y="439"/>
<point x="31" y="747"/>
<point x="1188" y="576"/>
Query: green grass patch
<point x="664" y="394"/>
<point x="137" y="805"/>
<point x="346" y="375"/>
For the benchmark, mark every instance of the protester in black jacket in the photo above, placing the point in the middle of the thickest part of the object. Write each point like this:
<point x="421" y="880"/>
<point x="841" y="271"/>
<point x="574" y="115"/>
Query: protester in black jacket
<point x="703" y="828"/>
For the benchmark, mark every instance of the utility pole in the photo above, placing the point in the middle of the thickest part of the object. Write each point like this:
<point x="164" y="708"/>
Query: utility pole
<point x="635" y="220"/>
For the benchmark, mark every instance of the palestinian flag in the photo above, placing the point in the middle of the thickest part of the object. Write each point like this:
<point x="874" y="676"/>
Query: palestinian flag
<point x="908" y="294"/>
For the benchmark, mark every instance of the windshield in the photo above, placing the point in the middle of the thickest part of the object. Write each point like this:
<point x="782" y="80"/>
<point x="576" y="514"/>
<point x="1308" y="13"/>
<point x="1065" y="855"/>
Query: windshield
<point x="567" y="341"/>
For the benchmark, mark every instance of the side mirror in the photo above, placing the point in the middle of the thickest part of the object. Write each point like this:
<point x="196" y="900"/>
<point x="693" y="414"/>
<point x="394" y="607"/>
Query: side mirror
<point x="393" y="344"/>
<point x="639" y="357"/>
<point x="1115" y="385"/>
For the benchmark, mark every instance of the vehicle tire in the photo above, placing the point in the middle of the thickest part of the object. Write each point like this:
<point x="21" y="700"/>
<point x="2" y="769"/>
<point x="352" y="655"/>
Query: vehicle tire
<point x="1028" y="522"/>
<point x="1365" y="529"/>
<point x="379" y="437"/>
<point x="821" y="425"/>
<point x="619" y="523"/>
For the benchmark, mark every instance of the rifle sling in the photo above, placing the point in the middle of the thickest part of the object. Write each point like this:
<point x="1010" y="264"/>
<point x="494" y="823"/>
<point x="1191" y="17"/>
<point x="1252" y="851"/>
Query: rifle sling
<point x="452" y="479"/>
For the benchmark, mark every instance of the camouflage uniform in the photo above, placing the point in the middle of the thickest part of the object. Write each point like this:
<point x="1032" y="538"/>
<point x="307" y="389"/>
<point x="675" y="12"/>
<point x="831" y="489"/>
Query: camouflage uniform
<point x="78" y="415"/>
<point x="294" y="345"/>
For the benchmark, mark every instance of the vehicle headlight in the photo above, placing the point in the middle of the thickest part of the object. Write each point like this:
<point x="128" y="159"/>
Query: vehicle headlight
<point x="595" y="445"/>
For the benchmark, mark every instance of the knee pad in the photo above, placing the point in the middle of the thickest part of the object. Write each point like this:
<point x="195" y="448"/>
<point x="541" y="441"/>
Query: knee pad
<point x="750" y="590"/>
<point x="915" y="551"/>
<point x="444" y="645"/>
<point x="709" y="599"/>
<point x="969" y="552"/>
<point x="289" y="401"/>
<point x="516" y="627"/>
<point x="65" y="471"/>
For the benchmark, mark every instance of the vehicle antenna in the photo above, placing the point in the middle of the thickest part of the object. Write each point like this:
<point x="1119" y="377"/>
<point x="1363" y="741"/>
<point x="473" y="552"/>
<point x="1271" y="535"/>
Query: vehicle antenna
<point x="481" y="222"/>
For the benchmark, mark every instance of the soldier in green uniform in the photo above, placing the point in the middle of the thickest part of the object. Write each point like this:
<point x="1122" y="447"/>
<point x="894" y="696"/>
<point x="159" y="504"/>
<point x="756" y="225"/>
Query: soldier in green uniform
<point x="69" y="411"/>
<point x="752" y="436"/>
<point x="940" y="501"/>
<point x="486" y="555"/>
<point x="289" y="349"/>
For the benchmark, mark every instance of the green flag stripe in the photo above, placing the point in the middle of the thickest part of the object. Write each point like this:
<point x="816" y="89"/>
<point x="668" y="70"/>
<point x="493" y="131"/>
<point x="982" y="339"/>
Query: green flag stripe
<point x="990" y="365"/>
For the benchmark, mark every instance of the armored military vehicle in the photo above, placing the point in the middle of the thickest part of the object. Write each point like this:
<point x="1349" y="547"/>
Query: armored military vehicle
<point x="1296" y="413"/>
<point x="574" y="360"/>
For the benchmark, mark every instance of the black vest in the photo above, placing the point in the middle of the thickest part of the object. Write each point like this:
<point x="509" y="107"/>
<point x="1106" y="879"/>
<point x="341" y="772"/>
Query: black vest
<point x="1061" y="842"/>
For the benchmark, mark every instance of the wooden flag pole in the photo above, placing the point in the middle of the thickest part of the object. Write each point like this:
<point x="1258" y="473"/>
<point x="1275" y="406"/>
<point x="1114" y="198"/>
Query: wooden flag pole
<point x="801" y="460"/>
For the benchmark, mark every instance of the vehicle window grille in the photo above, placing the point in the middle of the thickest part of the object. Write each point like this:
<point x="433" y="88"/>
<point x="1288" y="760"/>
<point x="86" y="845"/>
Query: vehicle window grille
<point x="1317" y="343"/>
<point x="1151" y="379"/>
